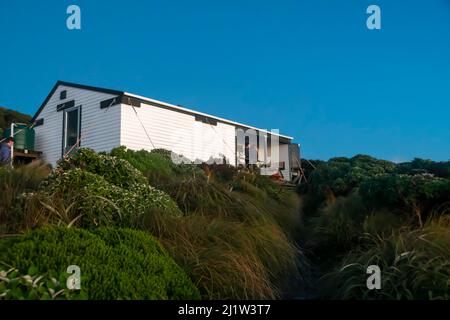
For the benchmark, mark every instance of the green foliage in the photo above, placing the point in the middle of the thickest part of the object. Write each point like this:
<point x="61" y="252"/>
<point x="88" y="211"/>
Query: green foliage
<point x="8" y="116"/>
<point x="157" y="165"/>
<point x="101" y="190"/>
<point x="342" y="175"/>
<point x="338" y="226"/>
<point x="220" y="172"/>
<point x="32" y="286"/>
<point x="100" y="203"/>
<point x="234" y="238"/>
<point x="420" y="166"/>
<point x="419" y="193"/>
<point x="356" y="209"/>
<point x="230" y="259"/>
<point x="234" y="242"/>
<point x="114" y="263"/>
<point x="271" y="189"/>
<point x="114" y="170"/>
<point x="339" y="177"/>
<point x="414" y="263"/>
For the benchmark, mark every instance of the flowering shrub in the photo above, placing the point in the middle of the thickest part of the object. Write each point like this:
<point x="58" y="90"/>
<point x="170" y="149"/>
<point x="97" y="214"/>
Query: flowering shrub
<point x="100" y="203"/>
<point x="104" y="190"/>
<point x="114" y="170"/>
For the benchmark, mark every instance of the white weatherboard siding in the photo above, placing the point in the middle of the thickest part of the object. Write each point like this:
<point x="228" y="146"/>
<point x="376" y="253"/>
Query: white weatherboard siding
<point x="153" y="125"/>
<point x="284" y="156"/>
<point x="175" y="131"/>
<point x="99" y="129"/>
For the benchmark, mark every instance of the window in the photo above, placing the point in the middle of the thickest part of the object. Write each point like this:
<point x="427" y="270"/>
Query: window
<point x="38" y="122"/>
<point x="63" y="95"/>
<point x="71" y="129"/>
<point x="206" y="120"/>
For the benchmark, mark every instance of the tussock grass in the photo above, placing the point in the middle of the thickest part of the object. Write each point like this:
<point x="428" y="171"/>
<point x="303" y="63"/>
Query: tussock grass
<point x="233" y="236"/>
<point x="415" y="264"/>
<point x="15" y="185"/>
<point x="227" y="258"/>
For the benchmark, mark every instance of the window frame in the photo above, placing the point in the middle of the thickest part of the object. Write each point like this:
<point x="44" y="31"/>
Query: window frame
<point x="64" y="129"/>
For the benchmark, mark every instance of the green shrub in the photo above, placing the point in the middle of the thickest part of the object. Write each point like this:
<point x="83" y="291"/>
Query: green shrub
<point x="418" y="194"/>
<point x="114" y="263"/>
<point x="96" y="202"/>
<point x="32" y="286"/>
<point x="414" y="263"/>
<point x="157" y="165"/>
<point x="339" y="177"/>
<point x="114" y="170"/>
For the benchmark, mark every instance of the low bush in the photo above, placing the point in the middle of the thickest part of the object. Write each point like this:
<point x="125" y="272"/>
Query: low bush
<point x="94" y="201"/>
<point x="32" y="286"/>
<point x="419" y="194"/>
<point x="114" y="263"/>
<point x="157" y="165"/>
<point x="113" y="169"/>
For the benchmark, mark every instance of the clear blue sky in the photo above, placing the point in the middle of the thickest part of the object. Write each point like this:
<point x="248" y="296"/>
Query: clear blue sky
<point x="310" y="68"/>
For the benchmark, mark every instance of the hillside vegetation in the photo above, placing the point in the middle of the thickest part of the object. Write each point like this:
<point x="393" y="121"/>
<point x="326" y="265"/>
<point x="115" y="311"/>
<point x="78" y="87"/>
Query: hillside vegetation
<point x="363" y="211"/>
<point x="183" y="231"/>
<point x="8" y="116"/>
<point x="226" y="234"/>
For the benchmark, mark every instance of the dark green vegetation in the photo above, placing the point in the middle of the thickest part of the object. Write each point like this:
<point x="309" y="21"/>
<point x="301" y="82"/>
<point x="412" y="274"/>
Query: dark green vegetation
<point x="116" y="264"/>
<point x="363" y="211"/>
<point x="7" y="116"/>
<point x="140" y="226"/>
<point x="232" y="233"/>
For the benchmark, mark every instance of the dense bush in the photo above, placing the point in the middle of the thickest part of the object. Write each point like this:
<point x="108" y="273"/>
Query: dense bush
<point x="15" y="285"/>
<point x="99" y="202"/>
<point x="114" y="263"/>
<point x="156" y="165"/>
<point x="98" y="189"/>
<point x="359" y="211"/>
<point x="416" y="193"/>
<point x="234" y="237"/>
<point x="414" y="263"/>
<point x="114" y="170"/>
<point x="342" y="175"/>
<point x="343" y="225"/>
<point x="8" y="116"/>
<point x="420" y="166"/>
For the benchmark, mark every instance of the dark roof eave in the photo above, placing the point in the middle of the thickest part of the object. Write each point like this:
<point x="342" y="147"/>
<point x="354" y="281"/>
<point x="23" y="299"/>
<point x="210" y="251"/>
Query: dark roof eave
<point x="74" y="85"/>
